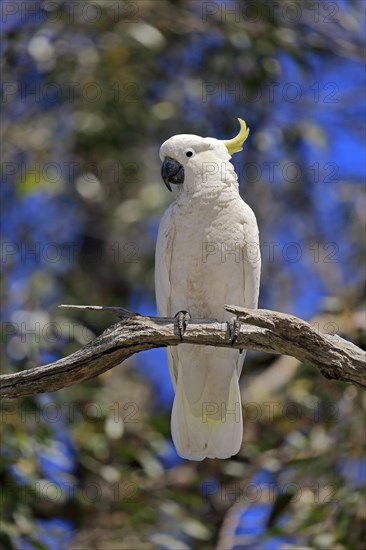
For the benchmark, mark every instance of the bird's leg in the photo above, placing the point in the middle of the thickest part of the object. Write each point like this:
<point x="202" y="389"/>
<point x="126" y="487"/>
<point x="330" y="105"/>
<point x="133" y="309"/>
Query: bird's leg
<point x="234" y="329"/>
<point x="183" y="318"/>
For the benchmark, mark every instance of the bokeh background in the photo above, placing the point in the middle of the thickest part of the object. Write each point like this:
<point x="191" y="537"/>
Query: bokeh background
<point x="89" y="92"/>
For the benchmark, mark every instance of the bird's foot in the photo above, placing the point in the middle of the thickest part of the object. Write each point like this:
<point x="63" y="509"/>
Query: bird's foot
<point x="183" y="318"/>
<point x="234" y="329"/>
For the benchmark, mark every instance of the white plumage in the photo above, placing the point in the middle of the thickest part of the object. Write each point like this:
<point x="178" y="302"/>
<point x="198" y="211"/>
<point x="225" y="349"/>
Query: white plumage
<point x="207" y="255"/>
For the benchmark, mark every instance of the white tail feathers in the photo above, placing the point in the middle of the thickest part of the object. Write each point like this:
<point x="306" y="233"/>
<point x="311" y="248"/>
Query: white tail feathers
<point x="207" y="413"/>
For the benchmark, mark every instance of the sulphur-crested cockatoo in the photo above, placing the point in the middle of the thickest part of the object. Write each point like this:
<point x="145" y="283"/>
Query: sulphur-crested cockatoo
<point x="207" y="255"/>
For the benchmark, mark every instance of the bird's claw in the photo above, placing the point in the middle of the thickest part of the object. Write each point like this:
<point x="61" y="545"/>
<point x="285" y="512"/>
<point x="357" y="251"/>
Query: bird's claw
<point x="183" y="318"/>
<point x="234" y="329"/>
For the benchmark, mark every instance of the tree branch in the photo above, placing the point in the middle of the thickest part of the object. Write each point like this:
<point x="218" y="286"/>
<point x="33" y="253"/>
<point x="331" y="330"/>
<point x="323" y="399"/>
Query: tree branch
<point x="261" y="330"/>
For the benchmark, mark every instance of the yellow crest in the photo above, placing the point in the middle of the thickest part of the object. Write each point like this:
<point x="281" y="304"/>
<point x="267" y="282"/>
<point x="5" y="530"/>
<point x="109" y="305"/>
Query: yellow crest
<point x="236" y="144"/>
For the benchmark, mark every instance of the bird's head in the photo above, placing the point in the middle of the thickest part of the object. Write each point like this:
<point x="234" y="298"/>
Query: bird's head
<point x="186" y="156"/>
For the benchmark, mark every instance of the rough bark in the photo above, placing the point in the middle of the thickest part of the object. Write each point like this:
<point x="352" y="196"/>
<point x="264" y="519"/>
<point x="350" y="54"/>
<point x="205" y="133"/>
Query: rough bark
<point x="261" y="330"/>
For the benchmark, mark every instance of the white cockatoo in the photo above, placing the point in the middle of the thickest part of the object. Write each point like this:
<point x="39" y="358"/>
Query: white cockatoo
<point x="207" y="255"/>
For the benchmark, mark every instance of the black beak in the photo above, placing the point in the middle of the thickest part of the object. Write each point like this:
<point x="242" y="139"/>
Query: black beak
<point x="172" y="172"/>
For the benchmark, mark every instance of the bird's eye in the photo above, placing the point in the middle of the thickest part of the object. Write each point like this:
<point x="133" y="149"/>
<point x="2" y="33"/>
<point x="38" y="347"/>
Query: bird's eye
<point x="189" y="153"/>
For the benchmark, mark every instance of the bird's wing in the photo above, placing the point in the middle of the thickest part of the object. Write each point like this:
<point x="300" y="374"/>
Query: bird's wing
<point x="251" y="267"/>
<point x="252" y="261"/>
<point x="163" y="259"/>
